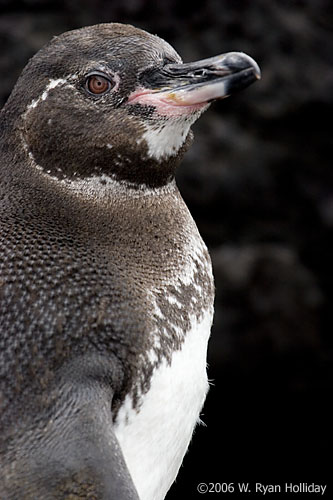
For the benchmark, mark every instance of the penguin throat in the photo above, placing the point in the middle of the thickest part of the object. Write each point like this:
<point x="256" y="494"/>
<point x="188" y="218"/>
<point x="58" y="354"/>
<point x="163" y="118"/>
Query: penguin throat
<point x="165" y="139"/>
<point x="163" y="135"/>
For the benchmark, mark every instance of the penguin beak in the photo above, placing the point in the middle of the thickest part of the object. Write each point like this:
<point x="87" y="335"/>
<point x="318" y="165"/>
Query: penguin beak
<point x="198" y="83"/>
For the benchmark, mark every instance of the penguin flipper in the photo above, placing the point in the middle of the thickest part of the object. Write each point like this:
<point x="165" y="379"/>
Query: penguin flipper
<point x="74" y="454"/>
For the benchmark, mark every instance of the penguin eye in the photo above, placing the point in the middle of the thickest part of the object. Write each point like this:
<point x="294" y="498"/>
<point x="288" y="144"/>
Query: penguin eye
<point x="98" y="84"/>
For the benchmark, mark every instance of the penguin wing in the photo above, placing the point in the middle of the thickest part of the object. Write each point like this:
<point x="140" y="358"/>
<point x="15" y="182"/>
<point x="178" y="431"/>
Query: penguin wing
<point x="71" y="452"/>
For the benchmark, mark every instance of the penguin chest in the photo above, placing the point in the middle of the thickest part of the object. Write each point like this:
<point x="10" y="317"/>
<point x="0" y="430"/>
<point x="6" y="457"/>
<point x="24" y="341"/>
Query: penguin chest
<point x="154" y="437"/>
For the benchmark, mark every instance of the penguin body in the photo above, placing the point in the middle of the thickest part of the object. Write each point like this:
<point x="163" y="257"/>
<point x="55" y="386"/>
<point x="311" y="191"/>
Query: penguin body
<point x="106" y="287"/>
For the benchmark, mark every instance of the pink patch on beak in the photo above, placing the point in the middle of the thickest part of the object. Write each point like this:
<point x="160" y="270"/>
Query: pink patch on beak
<point x="166" y="103"/>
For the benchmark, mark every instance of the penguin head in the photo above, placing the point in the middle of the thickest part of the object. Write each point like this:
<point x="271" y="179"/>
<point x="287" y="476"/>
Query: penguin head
<point x="114" y="101"/>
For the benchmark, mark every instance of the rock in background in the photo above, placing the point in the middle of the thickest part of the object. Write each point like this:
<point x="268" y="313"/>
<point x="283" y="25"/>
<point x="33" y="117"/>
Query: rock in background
<point x="258" y="181"/>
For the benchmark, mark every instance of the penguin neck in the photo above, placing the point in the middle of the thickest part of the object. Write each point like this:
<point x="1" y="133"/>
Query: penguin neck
<point x="96" y="190"/>
<point x="99" y="168"/>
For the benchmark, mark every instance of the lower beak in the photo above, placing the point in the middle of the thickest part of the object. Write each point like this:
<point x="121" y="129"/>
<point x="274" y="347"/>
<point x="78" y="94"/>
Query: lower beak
<point x="203" y="81"/>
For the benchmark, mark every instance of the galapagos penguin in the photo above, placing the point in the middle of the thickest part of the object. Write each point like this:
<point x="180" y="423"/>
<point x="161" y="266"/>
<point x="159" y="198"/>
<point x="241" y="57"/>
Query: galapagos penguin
<point x="106" y="287"/>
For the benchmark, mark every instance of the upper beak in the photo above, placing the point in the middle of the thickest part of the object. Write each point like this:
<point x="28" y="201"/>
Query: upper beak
<point x="203" y="81"/>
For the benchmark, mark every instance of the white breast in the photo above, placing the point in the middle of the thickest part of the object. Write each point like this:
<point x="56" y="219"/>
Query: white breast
<point x="154" y="439"/>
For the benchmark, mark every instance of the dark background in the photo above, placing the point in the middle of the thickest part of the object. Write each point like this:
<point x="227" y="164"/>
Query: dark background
<point x="258" y="181"/>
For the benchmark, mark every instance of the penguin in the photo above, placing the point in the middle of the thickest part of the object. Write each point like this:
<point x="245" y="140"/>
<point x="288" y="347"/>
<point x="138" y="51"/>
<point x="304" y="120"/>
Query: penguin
<point x="106" y="287"/>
